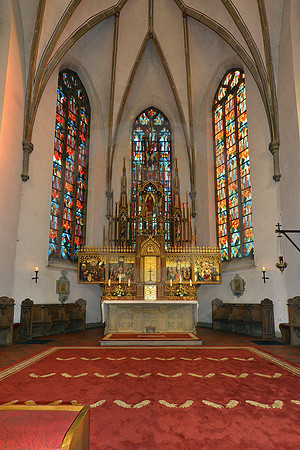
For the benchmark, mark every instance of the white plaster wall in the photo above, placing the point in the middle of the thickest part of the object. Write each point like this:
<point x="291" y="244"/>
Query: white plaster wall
<point x="289" y="120"/>
<point x="10" y="155"/>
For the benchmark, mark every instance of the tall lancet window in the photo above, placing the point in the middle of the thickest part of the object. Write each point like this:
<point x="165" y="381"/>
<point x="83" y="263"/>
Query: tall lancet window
<point x="70" y="165"/>
<point x="232" y="167"/>
<point x="151" y="152"/>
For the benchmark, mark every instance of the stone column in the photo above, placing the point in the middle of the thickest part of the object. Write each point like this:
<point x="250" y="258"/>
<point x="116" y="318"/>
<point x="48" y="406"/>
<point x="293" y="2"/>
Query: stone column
<point x="27" y="149"/>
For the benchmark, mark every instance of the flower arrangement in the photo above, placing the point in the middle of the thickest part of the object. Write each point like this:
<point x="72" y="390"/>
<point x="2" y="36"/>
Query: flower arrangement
<point x="118" y="292"/>
<point x="180" y="291"/>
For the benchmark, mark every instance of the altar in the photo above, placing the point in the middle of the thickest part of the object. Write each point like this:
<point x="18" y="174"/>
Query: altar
<point x="149" y="316"/>
<point x="149" y="267"/>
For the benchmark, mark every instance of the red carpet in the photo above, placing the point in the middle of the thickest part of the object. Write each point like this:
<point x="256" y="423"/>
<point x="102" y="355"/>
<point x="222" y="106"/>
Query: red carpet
<point x="165" y="398"/>
<point x="34" y="429"/>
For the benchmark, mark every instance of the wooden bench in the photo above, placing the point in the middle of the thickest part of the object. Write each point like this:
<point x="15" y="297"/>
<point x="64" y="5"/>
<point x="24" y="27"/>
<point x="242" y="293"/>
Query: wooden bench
<point x="6" y="320"/>
<point x="255" y="319"/>
<point x="294" y="320"/>
<point x="45" y="319"/>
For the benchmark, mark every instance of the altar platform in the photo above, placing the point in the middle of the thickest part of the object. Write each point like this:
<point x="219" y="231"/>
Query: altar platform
<point x="150" y="339"/>
<point x="161" y="316"/>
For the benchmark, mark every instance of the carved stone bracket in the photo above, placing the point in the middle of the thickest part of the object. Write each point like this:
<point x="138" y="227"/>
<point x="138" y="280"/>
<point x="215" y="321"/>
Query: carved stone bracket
<point x="274" y="149"/>
<point x="27" y="149"/>
<point x="193" y="199"/>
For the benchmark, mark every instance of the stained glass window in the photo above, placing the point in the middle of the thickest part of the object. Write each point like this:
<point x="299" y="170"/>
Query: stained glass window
<point x="232" y="163"/>
<point x="70" y="164"/>
<point x="151" y="144"/>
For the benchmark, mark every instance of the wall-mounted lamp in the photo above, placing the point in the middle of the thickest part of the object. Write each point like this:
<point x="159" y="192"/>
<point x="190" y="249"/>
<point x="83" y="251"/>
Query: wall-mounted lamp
<point x="264" y="274"/>
<point x="36" y="275"/>
<point x="281" y="265"/>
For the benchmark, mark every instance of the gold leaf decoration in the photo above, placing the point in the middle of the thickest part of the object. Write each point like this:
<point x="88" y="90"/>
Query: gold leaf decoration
<point x="90" y="359"/>
<point x="123" y="404"/>
<point x="214" y="405"/>
<point x="232" y="404"/>
<point x="217" y="359"/>
<point x="297" y="402"/>
<point x="30" y="402"/>
<point x="65" y="359"/>
<point x="167" y="404"/>
<point x="99" y="403"/>
<point x="33" y="375"/>
<point x="186" y="404"/>
<point x="12" y="402"/>
<point x="141" y="404"/>
<point x="57" y="402"/>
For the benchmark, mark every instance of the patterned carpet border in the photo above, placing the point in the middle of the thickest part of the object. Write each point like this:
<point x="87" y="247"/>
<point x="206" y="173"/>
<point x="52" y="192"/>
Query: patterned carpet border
<point x="37" y="357"/>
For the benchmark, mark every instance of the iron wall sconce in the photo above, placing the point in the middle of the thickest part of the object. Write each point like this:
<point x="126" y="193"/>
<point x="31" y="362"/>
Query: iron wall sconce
<point x="264" y="274"/>
<point x="36" y="275"/>
<point x="281" y="265"/>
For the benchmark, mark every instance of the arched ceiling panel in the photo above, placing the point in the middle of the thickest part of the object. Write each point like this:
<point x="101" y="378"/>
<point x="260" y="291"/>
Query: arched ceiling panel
<point x="92" y="54"/>
<point x="167" y="16"/>
<point x="133" y="26"/>
<point x="249" y="12"/>
<point x="217" y="11"/>
<point x="28" y="9"/>
<point x="274" y="10"/>
<point x="208" y="51"/>
<point x="85" y="10"/>
<point x="54" y="9"/>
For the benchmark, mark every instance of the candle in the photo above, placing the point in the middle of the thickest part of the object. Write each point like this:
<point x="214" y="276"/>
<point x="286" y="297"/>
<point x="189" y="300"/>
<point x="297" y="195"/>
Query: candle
<point x="109" y="282"/>
<point x="120" y="278"/>
<point x="180" y="279"/>
<point x="191" y="282"/>
<point x="128" y="281"/>
<point x="171" y="282"/>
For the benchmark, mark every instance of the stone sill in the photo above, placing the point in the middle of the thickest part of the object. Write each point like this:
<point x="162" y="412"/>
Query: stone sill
<point x="238" y="264"/>
<point x="58" y="264"/>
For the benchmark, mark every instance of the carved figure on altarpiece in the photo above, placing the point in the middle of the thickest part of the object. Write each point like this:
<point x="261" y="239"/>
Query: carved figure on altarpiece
<point x="121" y="268"/>
<point x="181" y="267"/>
<point x="207" y="271"/>
<point x="92" y="271"/>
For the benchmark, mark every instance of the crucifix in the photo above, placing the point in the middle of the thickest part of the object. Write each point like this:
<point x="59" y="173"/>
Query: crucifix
<point x="150" y="273"/>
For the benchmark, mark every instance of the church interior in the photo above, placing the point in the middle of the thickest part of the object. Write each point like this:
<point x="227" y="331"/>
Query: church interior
<point x="150" y="155"/>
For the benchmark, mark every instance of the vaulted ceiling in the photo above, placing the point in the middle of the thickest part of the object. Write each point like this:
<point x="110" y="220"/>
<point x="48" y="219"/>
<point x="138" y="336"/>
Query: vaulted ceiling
<point x="131" y="33"/>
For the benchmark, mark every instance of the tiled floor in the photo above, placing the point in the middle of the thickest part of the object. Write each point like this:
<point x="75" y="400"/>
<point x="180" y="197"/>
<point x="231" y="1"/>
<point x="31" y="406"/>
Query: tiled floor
<point x="14" y="353"/>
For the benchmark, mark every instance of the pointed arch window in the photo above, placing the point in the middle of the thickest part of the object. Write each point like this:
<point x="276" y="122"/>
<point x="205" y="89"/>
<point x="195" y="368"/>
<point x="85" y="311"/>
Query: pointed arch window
<point x="232" y="167"/>
<point x="70" y="166"/>
<point x="151" y="146"/>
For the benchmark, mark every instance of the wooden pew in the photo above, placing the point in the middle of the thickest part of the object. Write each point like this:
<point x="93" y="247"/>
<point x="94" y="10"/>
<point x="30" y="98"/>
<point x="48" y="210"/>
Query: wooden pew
<point x="6" y="320"/>
<point x="45" y="319"/>
<point x="294" y="320"/>
<point x="255" y="319"/>
<point x="77" y="315"/>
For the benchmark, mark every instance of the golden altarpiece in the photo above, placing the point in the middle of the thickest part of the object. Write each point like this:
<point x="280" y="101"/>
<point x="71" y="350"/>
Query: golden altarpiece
<point x="149" y="267"/>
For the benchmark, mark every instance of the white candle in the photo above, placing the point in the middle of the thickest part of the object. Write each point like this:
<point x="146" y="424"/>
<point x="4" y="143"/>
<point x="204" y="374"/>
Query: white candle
<point x="171" y="282"/>
<point x="128" y="281"/>
<point x="120" y="278"/>
<point x="109" y="282"/>
<point x="191" y="282"/>
<point x="180" y="279"/>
